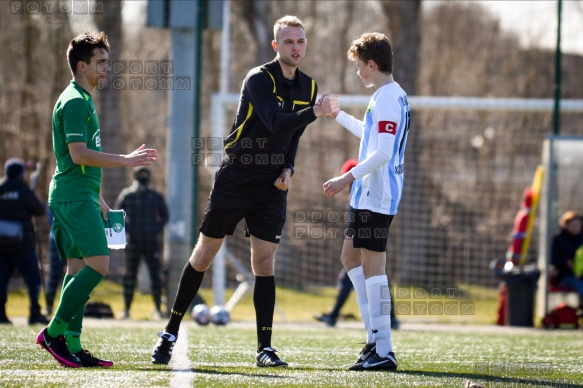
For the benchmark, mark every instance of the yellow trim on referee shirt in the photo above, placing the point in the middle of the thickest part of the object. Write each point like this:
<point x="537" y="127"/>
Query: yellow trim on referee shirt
<point x="240" y="129"/>
<point x="311" y="96"/>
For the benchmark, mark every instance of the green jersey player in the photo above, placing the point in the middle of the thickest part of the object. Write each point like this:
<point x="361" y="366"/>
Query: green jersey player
<point x="75" y="198"/>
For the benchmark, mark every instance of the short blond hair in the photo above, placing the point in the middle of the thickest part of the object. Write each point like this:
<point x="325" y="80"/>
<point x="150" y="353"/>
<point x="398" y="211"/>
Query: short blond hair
<point x="287" y="20"/>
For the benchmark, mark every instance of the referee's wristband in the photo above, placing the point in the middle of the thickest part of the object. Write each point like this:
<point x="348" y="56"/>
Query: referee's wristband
<point x="291" y="167"/>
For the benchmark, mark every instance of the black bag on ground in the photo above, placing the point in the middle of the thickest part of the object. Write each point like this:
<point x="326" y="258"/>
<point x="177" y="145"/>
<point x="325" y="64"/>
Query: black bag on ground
<point x="98" y="310"/>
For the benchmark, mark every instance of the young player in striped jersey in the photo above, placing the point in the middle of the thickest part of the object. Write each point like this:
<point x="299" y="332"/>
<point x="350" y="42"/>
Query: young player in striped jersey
<point x="377" y="185"/>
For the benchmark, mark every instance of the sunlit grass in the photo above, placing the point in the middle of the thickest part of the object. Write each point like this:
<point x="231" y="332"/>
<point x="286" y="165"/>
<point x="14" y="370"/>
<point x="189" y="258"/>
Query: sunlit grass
<point x="429" y="356"/>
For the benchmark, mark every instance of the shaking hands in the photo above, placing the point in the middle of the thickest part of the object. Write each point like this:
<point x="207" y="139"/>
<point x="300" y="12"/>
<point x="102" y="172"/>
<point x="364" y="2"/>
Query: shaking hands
<point x="327" y="105"/>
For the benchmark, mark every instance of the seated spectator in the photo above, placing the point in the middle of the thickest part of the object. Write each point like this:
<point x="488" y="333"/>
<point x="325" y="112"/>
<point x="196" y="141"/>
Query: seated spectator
<point x="563" y="248"/>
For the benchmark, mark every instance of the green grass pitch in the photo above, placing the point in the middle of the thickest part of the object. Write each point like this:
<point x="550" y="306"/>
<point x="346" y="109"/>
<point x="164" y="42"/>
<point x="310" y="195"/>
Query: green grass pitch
<point x="429" y="355"/>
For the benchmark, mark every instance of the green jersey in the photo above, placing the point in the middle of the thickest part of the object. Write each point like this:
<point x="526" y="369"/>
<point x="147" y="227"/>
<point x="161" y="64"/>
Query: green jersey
<point x="74" y="120"/>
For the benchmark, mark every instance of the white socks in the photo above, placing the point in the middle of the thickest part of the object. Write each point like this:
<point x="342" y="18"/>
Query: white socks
<point x="379" y="306"/>
<point x="357" y="277"/>
<point x="374" y="301"/>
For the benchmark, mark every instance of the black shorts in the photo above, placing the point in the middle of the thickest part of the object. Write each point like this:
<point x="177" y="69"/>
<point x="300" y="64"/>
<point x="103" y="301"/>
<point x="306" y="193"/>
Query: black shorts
<point x="369" y="230"/>
<point x="243" y="193"/>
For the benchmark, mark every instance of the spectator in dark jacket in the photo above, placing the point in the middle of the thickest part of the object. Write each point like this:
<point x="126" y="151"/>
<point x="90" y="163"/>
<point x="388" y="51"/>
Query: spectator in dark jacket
<point x="17" y="240"/>
<point x="146" y="215"/>
<point x="563" y="248"/>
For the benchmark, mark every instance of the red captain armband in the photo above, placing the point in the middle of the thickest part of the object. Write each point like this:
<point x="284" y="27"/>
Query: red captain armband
<point x="388" y="127"/>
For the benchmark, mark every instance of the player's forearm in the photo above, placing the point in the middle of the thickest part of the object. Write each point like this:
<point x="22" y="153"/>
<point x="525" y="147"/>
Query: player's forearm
<point x="280" y="122"/>
<point x="259" y="91"/>
<point x="381" y="156"/>
<point x="85" y="156"/>
<point x="351" y="123"/>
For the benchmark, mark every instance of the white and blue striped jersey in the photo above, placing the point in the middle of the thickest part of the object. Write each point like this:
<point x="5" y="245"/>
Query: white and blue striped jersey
<point x="378" y="184"/>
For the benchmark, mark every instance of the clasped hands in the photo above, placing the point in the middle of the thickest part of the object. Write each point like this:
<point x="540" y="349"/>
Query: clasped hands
<point x="327" y="105"/>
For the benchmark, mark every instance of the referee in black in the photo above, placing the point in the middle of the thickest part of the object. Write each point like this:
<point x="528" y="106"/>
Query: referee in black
<point x="277" y="102"/>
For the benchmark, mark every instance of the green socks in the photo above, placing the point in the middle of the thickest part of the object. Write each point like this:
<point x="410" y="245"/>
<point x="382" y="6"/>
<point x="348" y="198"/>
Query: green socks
<point x="73" y="341"/>
<point x="59" y="325"/>
<point x="75" y="294"/>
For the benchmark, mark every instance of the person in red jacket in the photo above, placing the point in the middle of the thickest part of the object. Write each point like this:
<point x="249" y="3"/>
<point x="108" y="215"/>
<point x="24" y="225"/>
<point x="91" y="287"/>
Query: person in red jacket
<point x="513" y="254"/>
<point x="520" y="225"/>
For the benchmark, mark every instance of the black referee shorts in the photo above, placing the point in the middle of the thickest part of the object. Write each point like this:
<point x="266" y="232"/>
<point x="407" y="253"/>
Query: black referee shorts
<point x="369" y="230"/>
<point x="242" y="193"/>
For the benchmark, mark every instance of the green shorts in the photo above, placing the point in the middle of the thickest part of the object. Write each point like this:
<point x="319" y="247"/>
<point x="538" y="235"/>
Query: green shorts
<point x="78" y="229"/>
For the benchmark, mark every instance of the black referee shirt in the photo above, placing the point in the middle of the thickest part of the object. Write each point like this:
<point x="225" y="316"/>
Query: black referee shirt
<point x="272" y="115"/>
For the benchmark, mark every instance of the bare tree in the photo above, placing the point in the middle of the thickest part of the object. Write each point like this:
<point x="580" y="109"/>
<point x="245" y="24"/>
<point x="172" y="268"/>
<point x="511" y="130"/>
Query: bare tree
<point x="59" y="35"/>
<point x="347" y="39"/>
<point x="110" y="103"/>
<point x="258" y="18"/>
<point x="29" y="122"/>
<point x="405" y="35"/>
<point x="403" y="22"/>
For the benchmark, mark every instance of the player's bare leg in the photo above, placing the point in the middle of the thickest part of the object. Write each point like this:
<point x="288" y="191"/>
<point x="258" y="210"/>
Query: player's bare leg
<point x="204" y="252"/>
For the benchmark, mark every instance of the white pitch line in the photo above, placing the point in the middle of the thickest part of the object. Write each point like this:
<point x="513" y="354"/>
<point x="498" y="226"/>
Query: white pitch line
<point x="182" y="376"/>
